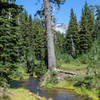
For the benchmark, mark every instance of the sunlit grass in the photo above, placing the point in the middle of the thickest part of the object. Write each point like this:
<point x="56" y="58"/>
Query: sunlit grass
<point x="73" y="66"/>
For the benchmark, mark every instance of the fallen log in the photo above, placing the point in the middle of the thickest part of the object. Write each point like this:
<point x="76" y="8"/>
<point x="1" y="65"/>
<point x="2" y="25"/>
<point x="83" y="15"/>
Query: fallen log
<point x="67" y="72"/>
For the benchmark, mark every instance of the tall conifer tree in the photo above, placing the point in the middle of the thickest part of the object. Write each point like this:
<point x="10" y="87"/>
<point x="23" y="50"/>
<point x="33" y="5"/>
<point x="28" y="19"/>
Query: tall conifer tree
<point x="86" y="29"/>
<point x="72" y="37"/>
<point x="97" y="23"/>
<point x="9" y="39"/>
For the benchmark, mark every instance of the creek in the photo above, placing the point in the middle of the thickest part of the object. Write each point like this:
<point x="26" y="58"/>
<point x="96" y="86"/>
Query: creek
<point x="32" y="85"/>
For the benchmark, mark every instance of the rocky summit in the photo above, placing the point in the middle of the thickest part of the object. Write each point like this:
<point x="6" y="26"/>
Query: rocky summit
<point x="62" y="28"/>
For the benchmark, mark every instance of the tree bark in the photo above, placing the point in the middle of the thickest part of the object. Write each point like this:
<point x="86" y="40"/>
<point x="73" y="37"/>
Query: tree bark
<point x="50" y="40"/>
<point x="73" y="48"/>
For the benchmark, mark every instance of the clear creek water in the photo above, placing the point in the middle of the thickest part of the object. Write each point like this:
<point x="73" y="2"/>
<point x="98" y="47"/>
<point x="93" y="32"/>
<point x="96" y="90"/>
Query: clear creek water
<point x="54" y="93"/>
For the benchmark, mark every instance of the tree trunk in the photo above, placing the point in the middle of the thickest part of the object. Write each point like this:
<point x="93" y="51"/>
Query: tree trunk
<point x="50" y="40"/>
<point x="73" y="48"/>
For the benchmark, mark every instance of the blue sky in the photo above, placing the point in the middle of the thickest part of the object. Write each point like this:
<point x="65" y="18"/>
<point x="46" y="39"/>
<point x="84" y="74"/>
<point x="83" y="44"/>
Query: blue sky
<point x="62" y="15"/>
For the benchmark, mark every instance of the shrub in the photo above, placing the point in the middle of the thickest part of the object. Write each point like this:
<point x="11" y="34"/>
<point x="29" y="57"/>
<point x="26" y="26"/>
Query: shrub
<point x="39" y="68"/>
<point x="63" y="58"/>
<point x="3" y="82"/>
<point x="4" y="95"/>
<point x="85" y="81"/>
<point x="84" y="59"/>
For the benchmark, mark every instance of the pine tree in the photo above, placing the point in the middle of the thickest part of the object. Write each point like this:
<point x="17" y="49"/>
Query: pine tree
<point x="26" y="32"/>
<point x="91" y="25"/>
<point x="60" y="42"/>
<point x="97" y="23"/>
<point x="50" y="40"/>
<point x="33" y="43"/>
<point x="86" y="29"/>
<point x="83" y="34"/>
<point x="9" y="39"/>
<point x="40" y="49"/>
<point x="72" y="37"/>
<point x="95" y="50"/>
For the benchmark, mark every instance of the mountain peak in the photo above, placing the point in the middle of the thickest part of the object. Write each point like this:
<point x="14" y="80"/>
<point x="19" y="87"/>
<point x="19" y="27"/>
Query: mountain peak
<point x="60" y="27"/>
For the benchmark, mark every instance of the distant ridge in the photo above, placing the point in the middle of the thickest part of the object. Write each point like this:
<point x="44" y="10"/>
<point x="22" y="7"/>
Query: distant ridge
<point x="60" y="27"/>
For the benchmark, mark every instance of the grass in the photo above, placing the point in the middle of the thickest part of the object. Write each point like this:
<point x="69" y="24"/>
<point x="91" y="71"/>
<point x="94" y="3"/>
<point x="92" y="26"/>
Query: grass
<point x="18" y="94"/>
<point x="23" y="94"/>
<point x="66" y="85"/>
<point x="73" y="66"/>
<point x="66" y="62"/>
<point x="25" y="77"/>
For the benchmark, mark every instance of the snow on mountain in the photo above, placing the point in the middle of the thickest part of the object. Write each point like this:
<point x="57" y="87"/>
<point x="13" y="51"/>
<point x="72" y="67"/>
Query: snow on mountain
<point x="62" y="28"/>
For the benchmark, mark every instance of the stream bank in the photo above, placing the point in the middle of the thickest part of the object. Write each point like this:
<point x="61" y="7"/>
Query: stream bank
<point x="55" y="93"/>
<point x="82" y="91"/>
<point x="24" y="94"/>
<point x="73" y="81"/>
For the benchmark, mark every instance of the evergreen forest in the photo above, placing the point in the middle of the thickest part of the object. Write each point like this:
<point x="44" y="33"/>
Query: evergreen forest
<point x="31" y="47"/>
